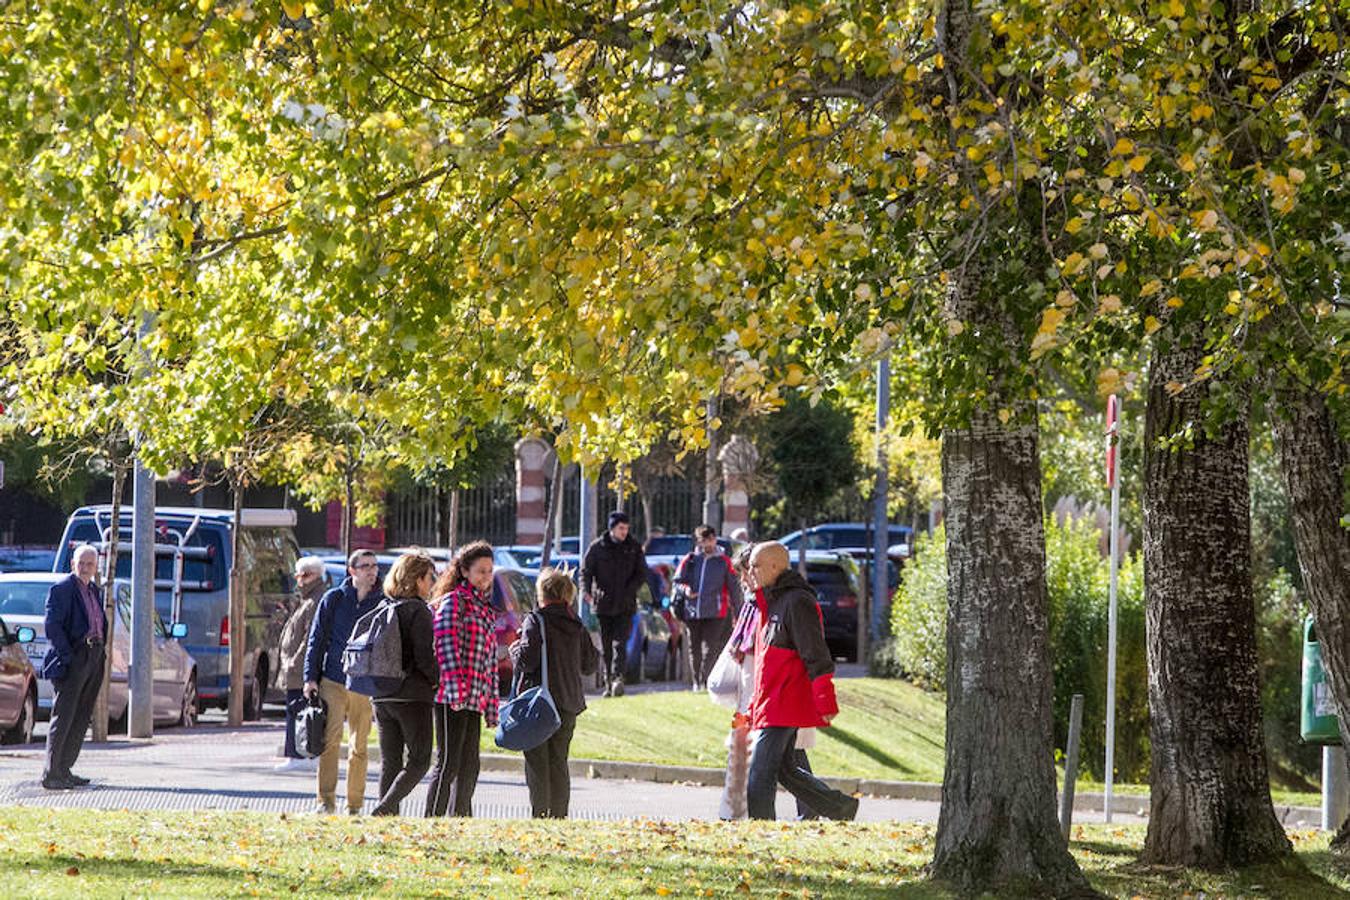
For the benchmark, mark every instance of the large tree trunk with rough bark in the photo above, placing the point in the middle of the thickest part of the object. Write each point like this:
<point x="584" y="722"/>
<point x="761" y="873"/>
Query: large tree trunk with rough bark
<point x="1313" y="457"/>
<point x="997" y="829"/>
<point x="1209" y="787"/>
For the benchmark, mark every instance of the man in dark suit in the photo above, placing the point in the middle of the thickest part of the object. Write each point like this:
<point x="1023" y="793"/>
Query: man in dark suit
<point x="77" y="629"/>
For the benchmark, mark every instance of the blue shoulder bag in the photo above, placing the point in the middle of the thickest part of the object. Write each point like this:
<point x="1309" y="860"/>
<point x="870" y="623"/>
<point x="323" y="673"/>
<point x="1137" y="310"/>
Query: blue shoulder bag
<point x="530" y="717"/>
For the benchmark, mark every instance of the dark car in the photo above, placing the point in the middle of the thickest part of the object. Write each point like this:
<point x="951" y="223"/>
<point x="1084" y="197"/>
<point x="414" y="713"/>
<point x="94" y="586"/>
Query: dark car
<point x="27" y="559"/>
<point x="854" y="537"/>
<point x="837" y="580"/>
<point x="18" y="686"/>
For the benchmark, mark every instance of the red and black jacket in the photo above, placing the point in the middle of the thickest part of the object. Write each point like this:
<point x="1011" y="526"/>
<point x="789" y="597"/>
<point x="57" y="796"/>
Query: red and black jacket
<point x="794" y="671"/>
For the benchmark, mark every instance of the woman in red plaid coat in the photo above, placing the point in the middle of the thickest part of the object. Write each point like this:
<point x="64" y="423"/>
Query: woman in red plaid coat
<point x="466" y="651"/>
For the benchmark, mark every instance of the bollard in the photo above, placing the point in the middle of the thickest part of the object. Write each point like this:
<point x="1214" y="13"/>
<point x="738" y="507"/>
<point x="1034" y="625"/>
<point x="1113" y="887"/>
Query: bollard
<point x="1335" y="790"/>
<point x="1071" y="765"/>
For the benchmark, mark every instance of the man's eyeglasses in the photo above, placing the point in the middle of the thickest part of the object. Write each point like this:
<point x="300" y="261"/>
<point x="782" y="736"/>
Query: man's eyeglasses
<point x="366" y="566"/>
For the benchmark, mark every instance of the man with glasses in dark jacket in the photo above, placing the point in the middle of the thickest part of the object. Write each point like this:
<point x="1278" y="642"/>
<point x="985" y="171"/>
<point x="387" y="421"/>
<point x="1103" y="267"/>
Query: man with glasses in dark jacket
<point x="612" y="571"/>
<point x="338" y="611"/>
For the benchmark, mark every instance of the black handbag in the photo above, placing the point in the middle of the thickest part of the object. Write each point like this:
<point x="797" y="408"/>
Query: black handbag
<point x="311" y="721"/>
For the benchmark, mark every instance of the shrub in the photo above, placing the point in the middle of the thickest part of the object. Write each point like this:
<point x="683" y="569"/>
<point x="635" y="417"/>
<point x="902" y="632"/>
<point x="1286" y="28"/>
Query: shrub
<point x="918" y="646"/>
<point x="1077" y="581"/>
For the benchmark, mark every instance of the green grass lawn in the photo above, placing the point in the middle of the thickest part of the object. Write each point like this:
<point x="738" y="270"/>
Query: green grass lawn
<point x="66" y="853"/>
<point x="886" y="729"/>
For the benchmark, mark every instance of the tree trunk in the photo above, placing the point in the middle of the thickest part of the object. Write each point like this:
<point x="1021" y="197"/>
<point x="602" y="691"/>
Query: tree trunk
<point x="236" y="696"/>
<point x="454" y="519"/>
<point x="997" y="828"/>
<point x="1313" y="458"/>
<point x="119" y="480"/>
<point x="555" y="494"/>
<point x="348" y="512"/>
<point x="1210" y="791"/>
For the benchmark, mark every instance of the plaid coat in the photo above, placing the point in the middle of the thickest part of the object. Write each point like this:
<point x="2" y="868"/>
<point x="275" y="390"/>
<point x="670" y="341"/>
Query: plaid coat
<point x="466" y="651"/>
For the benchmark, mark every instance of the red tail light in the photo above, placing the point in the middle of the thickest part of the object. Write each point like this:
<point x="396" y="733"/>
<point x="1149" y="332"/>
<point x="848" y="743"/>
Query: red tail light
<point x="225" y="631"/>
<point x="846" y="601"/>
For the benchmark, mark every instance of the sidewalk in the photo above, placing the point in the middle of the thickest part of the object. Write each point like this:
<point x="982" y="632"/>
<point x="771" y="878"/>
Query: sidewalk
<point x="217" y="767"/>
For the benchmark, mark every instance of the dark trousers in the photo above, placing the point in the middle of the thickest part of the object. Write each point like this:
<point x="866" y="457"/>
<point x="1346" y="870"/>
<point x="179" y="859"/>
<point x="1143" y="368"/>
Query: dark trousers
<point x="614" y="633"/>
<point x="546" y="773"/>
<point x="773" y="761"/>
<point x="804" y="812"/>
<point x="405" y="749"/>
<point x="72" y="708"/>
<point x="295" y="698"/>
<point x="456" y="769"/>
<point x="707" y="637"/>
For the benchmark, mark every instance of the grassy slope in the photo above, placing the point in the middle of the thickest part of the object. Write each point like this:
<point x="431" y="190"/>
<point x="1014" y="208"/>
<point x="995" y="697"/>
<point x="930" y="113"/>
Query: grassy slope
<point x="887" y="729"/>
<point x="64" y="853"/>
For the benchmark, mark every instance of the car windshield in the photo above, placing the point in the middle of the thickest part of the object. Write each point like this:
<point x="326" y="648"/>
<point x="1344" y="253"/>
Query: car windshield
<point x="205" y="573"/>
<point x="26" y="559"/>
<point x="670" y="545"/>
<point x="23" y="598"/>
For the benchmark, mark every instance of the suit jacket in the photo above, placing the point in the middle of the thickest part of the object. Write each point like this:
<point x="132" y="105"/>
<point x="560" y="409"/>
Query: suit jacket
<point x="66" y="625"/>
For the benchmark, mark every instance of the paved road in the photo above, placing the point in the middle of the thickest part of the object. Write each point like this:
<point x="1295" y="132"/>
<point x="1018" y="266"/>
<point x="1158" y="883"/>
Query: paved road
<point x="216" y="767"/>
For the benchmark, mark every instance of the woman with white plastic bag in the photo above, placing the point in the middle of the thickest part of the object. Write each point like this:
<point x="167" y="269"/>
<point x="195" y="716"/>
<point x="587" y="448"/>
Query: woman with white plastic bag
<point x="731" y="683"/>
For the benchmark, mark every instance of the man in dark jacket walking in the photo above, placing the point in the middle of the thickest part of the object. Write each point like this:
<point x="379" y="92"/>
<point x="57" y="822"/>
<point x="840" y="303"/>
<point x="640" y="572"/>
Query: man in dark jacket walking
<point x="612" y="571"/>
<point x="794" y="688"/>
<point x="337" y="614"/>
<point x="713" y="593"/>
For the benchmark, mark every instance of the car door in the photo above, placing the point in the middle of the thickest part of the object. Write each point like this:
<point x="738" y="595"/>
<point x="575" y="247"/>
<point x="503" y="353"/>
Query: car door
<point x="168" y="689"/>
<point x="13" y="666"/>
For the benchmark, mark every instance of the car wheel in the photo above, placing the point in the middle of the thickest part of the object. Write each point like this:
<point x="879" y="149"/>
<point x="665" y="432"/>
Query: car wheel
<point x="187" y="717"/>
<point x="253" y="699"/>
<point x="118" y="724"/>
<point x="22" y="732"/>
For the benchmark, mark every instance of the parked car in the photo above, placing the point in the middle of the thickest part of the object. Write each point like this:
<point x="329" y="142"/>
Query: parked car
<point x="23" y="599"/>
<point x="26" y="559"/>
<point x="513" y="599"/>
<point x="199" y="595"/>
<point x="837" y="580"/>
<point x="18" y="684"/>
<point x="855" y="537"/>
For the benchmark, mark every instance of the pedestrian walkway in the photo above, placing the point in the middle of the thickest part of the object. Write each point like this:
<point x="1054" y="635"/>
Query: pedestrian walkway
<point x="217" y="767"/>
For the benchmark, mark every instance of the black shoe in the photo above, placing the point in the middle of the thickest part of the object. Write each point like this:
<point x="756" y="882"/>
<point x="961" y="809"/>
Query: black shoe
<point x="58" y="784"/>
<point x="77" y="780"/>
<point x="851" y="811"/>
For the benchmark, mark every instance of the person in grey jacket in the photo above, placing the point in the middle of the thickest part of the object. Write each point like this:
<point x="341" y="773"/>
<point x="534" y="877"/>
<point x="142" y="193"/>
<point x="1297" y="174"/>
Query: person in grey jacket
<point x="404" y="718"/>
<point x="713" y="595"/>
<point x="309" y="583"/>
<point x="571" y="654"/>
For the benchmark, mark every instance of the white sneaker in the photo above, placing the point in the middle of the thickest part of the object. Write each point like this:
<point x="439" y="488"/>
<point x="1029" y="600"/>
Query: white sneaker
<point x="297" y="765"/>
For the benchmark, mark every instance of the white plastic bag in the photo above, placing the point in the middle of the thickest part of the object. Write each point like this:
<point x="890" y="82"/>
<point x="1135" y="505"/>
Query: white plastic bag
<point x="724" y="681"/>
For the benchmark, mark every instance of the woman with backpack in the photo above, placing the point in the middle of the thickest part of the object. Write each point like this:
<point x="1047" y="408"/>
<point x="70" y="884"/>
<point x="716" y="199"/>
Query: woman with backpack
<point x="404" y="717"/>
<point x="466" y="655"/>
<point x="571" y="654"/>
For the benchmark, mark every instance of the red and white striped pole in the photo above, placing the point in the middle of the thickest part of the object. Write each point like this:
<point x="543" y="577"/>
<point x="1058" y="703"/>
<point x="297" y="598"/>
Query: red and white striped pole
<point x="1112" y="482"/>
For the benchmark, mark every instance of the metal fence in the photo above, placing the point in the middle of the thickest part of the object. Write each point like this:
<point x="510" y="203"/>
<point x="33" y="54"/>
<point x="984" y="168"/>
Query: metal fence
<point x="421" y="515"/>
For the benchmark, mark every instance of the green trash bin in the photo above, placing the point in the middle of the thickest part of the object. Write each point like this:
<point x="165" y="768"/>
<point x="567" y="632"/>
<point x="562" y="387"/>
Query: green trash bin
<point x="1318" y="724"/>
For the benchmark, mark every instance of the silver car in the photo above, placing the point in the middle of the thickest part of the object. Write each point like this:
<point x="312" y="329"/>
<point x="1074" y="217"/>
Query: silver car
<point x="23" y="601"/>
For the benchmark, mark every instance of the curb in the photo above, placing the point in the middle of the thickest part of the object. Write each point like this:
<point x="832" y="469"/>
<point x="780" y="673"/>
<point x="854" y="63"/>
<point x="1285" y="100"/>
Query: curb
<point x="705" y="776"/>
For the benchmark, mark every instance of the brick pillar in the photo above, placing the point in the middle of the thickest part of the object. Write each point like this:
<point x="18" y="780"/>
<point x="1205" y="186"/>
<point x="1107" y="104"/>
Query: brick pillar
<point x="739" y="460"/>
<point x="534" y="461"/>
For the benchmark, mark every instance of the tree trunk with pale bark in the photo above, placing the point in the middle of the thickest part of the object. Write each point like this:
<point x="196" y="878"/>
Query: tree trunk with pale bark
<point x="1209" y="798"/>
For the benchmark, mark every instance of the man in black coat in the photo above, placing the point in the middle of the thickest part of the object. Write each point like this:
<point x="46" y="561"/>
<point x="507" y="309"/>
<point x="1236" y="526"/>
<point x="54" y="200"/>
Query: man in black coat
<point x="612" y="571"/>
<point x="77" y="628"/>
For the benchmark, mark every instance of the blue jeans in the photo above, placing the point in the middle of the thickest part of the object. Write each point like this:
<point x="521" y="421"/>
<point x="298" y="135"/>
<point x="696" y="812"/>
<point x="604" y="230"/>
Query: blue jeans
<point x="774" y="761"/>
<point x="293" y="698"/>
